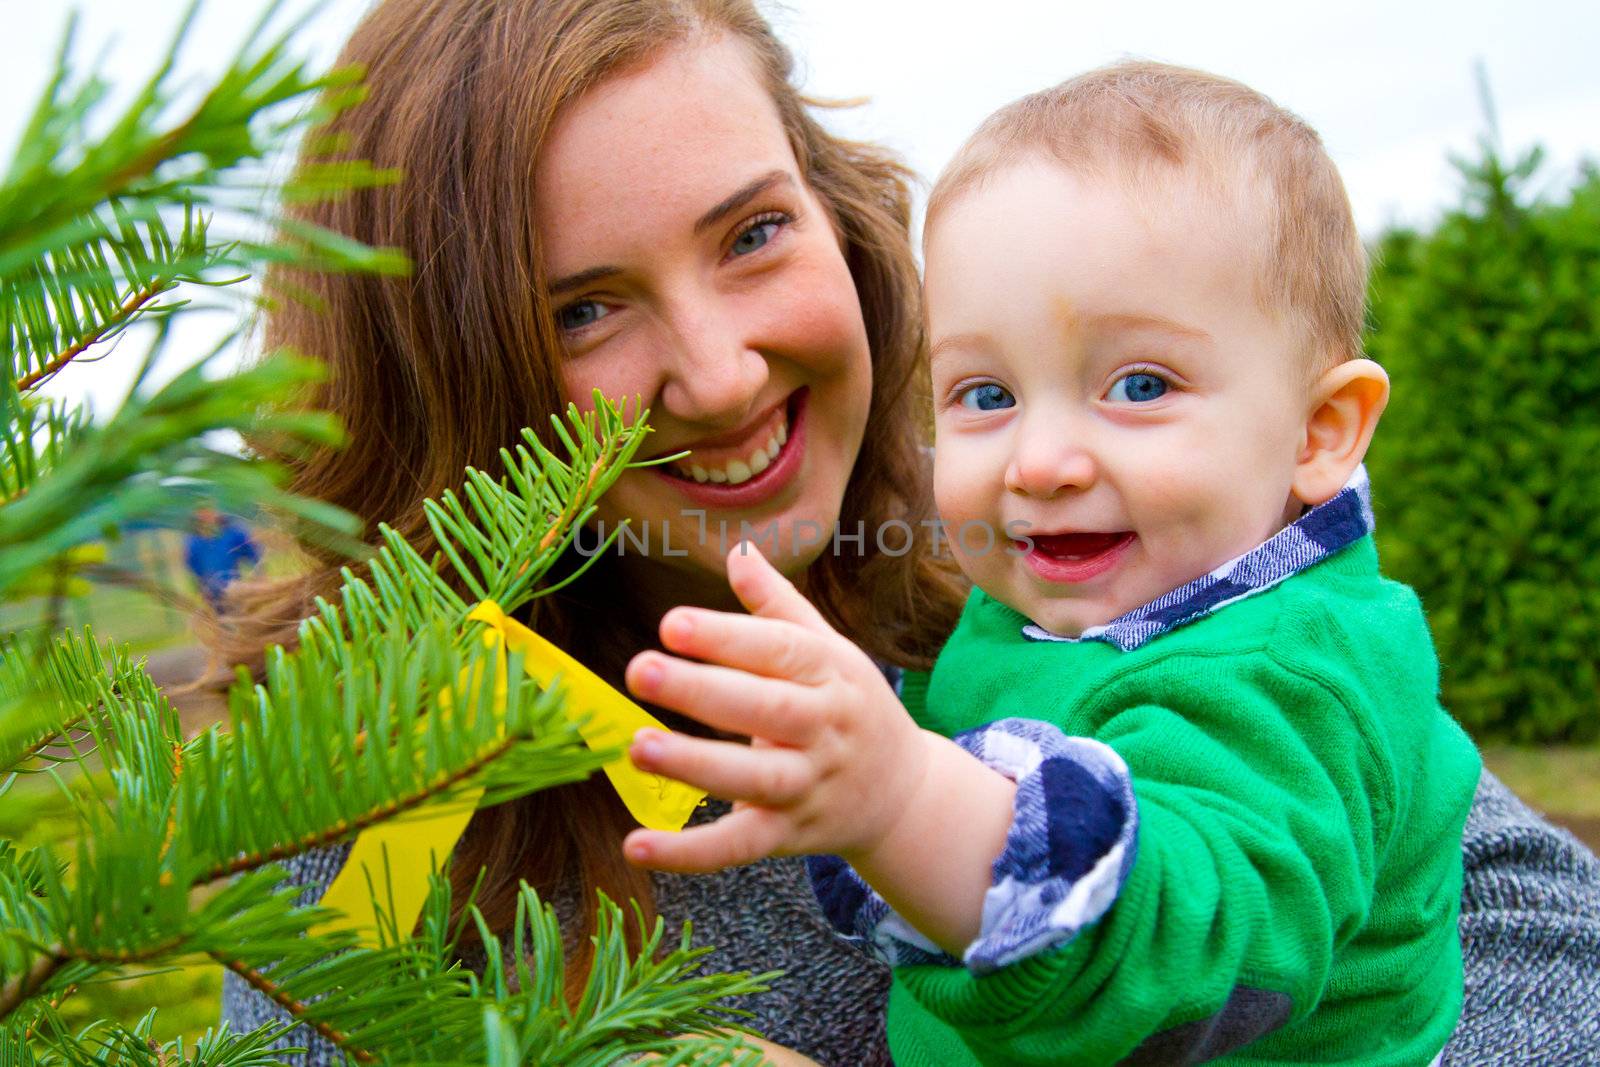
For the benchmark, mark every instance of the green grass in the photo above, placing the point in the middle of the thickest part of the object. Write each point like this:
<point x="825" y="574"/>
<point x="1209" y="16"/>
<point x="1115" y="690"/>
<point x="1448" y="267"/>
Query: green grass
<point x="128" y="616"/>
<point x="1556" y="779"/>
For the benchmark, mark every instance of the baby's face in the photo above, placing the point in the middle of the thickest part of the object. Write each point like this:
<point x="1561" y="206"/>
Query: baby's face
<point x="1106" y="383"/>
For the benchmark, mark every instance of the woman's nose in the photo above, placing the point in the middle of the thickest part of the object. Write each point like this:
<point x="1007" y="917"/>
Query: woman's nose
<point x="1047" y="461"/>
<point x="714" y="373"/>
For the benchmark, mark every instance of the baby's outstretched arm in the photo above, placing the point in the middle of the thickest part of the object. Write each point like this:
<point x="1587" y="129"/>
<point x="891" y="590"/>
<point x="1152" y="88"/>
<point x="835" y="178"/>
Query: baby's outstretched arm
<point x="835" y="764"/>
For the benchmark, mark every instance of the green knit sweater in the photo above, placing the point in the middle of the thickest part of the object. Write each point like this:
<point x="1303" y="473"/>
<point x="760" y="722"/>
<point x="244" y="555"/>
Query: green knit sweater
<point x="1300" y="796"/>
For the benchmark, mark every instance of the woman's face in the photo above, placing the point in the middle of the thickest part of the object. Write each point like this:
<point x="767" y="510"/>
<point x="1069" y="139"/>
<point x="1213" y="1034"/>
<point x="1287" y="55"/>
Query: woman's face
<point x="692" y="266"/>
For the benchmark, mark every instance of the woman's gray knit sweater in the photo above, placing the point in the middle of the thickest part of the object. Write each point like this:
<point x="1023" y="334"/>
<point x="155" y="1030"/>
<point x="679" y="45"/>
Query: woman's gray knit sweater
<point x="1530" y="932"/>
<point x="1530" y="928"/>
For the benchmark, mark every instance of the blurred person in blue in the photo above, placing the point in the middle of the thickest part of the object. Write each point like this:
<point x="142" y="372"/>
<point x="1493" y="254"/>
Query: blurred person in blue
<point x="217" y="549"/>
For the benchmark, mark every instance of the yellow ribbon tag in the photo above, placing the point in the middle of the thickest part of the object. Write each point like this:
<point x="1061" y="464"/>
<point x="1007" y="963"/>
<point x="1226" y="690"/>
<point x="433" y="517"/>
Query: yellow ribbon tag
<point x="415" y="847"/>
<point x="658" y="803"/>
<point x="389" y="863"/>
<point x="420" y="841"/>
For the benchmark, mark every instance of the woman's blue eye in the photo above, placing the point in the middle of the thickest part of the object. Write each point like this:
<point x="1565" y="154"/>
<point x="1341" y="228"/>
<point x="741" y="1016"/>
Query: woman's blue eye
<point x="987" y="397"/>
<point x="1138" y="388"/>
<point x="583" y="313"/>
<point x="753" y="238"/>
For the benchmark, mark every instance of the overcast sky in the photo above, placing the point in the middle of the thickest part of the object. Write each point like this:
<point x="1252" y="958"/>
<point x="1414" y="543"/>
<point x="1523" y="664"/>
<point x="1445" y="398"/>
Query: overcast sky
<point x="1390" y="85"/>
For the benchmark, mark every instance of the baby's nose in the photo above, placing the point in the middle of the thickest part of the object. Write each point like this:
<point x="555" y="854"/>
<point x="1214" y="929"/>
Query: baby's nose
<point x="1044" y="468"/>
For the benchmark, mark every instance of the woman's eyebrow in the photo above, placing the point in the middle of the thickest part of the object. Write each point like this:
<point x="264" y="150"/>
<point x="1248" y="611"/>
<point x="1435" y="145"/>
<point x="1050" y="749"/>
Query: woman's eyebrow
<point x="581" y="279"/>
<point x="739" y="199"/>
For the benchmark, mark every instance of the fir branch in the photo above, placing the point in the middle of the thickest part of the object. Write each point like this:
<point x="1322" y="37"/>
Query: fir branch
<point x="441" y="786"/>
<point x="296" y="1008"/>
<point x="130" y="307"/>
<point x="401" y="1001"/>
<point x="74" y="686"/>
<point x="53" y="739"/>
<point x="36" y="433"/>
<point x="55" y="1002"/>
<point x="643" y="1002"/>
<point x="36" y="708"/>
<point x="148" y="159"/>
<point x="520" y="525"/>
<point x="103" y="1043"/>
<point x="21" y="989"/>
<point x="360" y="716"/>
<point x="89" y="292"/>
<point x="390" y="704"/>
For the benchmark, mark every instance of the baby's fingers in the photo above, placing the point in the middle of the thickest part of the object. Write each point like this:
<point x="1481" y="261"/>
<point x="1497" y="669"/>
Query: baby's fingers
<point x="724" y="699"/>
<point x="765" y="592"/>
<point x="740" y="837"/>
<point x="771" y="777"/>
<point x="773" y="648"/>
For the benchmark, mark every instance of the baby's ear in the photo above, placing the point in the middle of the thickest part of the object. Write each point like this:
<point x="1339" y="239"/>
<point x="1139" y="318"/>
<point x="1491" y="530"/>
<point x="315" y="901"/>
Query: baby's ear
<point x="1344" y="405"/>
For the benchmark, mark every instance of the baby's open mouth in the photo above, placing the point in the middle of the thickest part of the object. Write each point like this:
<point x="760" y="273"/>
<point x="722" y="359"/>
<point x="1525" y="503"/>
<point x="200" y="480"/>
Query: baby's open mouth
<point x="1079" y="546"/>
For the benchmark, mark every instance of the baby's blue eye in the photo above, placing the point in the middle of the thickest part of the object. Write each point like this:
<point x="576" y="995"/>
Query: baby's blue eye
<point x="583" y="313"/>
<point x="1138" y="388"/>
<point x="987" y="397"/>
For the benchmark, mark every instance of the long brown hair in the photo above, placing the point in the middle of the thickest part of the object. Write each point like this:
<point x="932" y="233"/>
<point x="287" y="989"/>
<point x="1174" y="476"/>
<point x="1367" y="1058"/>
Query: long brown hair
<point x="437" y="371"/>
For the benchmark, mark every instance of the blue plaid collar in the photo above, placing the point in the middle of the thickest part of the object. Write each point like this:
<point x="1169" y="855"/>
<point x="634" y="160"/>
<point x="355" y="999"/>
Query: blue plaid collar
<point x="1342" y="520"/>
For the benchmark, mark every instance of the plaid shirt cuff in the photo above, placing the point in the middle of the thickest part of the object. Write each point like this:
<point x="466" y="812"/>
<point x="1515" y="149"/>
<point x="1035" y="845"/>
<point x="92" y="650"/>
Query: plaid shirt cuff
<point x="1073" y="837"/>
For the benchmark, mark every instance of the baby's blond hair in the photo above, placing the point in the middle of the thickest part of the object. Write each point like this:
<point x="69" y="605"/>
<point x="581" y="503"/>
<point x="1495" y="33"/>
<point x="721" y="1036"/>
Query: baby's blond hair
<point x="1144" y="121"/>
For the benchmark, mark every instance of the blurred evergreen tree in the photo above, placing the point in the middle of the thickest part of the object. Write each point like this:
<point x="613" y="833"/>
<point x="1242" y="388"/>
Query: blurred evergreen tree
<point x="1486" y="466"/>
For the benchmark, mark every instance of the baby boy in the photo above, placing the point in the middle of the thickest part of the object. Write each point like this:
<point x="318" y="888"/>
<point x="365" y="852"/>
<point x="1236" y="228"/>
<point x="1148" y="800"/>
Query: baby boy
<point x="1179" y="786"/>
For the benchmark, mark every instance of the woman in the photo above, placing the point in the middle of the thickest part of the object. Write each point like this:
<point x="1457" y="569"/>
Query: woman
<point x="661" y="217"/>
<point x="629" y="195"/>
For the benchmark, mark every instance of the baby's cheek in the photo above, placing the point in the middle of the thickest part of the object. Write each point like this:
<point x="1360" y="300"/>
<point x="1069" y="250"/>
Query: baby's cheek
<point x="957" y="492"/>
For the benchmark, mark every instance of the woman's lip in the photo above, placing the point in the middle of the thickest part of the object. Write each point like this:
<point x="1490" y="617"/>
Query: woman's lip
<point x="1055" y="569"/>
<point x="761" y="487"/>
<point x="742" y="441"/>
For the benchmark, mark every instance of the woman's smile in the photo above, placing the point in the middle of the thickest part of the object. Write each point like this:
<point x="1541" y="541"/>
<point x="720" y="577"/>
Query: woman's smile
<point x="749" y="466"/>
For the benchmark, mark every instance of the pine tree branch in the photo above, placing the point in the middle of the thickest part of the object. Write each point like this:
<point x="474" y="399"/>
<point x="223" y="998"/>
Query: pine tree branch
<point x="88" y="243"/>
<point x="298" y="1009"/>
<point x="561" y="522"/>
<point x="172" y="807"/>
<point x="71" y="685"/>
<point x="55" y="1002"/>
<point x="123" y="470"/>
<point x="163" y="149"/>
<point x="50" y="740"/>
<point x="16" y="992"/>
<point x="126" y="312"/>
<point x="345" y="827"/>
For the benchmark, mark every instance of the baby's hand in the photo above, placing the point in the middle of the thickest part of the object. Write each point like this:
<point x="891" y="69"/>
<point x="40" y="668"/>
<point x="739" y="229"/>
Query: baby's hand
<point x="834" y="759"/>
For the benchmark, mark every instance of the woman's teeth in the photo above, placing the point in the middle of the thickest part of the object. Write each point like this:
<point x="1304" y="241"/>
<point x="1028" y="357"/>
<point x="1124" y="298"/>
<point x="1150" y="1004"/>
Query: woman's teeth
<point x="740" y="470"/>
